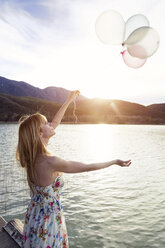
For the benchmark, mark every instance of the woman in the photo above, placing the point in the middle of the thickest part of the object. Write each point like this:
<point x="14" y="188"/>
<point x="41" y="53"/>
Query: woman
<point x="44" y="222"/>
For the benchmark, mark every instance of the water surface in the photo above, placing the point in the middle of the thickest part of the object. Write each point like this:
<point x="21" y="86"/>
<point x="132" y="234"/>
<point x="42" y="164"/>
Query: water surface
<point x="111" y="208"/>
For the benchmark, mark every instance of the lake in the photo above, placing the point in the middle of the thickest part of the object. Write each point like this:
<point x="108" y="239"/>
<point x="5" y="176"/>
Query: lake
<point x="109" y="208"/>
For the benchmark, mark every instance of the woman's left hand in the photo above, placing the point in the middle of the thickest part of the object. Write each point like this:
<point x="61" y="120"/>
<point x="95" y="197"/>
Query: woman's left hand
<point x="123" y="163"/>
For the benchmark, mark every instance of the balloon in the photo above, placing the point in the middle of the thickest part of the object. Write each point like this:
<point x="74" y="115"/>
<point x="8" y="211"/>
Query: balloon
<point x="110" y="27"/>
<point x="137" y="51"/>
<point x="134" y="22"/>
<point x="143" y="42"/>
<point x="132" y="61"/>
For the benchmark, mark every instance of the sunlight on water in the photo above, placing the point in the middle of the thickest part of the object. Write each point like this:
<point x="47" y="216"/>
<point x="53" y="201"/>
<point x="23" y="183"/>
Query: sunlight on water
<point x="94" y="142"/>
<point x="111" y="208"/>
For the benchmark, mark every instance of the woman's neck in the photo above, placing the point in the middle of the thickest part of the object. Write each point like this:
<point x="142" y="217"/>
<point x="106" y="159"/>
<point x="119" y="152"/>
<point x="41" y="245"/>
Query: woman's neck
<point x="45" y="141"/>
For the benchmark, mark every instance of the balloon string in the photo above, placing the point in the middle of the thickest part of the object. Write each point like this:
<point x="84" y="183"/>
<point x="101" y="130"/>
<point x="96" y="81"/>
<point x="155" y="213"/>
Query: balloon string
<point x="74" y="110"/>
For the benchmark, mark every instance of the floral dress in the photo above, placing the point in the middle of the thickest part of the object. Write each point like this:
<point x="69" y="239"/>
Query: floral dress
<point x="44" y="221"/>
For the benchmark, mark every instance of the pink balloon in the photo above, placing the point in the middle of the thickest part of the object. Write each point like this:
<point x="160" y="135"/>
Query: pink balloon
<point x="131" y="61"/>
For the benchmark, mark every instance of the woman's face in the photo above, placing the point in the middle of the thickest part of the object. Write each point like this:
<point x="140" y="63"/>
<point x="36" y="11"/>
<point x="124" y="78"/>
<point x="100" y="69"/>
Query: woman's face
<point x="47" y="130"/>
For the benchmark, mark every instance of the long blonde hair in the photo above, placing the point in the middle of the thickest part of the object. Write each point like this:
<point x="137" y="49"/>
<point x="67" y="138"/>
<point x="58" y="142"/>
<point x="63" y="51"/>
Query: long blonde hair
<point x="30" y="144"/>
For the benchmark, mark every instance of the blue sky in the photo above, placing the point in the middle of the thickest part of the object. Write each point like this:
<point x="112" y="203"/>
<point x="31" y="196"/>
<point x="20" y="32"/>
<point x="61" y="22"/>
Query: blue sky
<point x="53" y="42"/>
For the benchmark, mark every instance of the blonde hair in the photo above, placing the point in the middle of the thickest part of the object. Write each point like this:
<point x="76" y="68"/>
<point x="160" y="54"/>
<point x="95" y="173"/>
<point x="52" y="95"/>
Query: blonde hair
<point x="30" y="144"/>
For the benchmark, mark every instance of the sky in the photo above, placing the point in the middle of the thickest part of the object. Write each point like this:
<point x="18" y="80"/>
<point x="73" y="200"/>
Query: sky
<point x="54" y="43"/>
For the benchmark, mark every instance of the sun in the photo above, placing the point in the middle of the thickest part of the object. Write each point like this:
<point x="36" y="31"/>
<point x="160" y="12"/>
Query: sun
<point x="104" y="91"/>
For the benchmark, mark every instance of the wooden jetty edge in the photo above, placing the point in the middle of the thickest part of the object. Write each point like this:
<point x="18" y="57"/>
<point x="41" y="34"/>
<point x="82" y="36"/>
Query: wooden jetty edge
<point x="10" y="233"/>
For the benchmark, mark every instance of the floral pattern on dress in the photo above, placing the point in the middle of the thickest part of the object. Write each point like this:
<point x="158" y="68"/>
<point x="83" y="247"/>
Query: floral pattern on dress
<point x="44" y="221"/>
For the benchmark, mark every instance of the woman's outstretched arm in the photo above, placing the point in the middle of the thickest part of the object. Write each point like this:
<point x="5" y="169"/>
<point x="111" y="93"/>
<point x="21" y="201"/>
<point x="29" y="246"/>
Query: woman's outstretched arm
<point x="59" y="115"/>
<point x="58" y="164"/>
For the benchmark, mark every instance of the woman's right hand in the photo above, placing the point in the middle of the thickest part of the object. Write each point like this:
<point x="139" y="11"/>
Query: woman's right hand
<point x="123" y="163"/>
<point x="73" y="95"/>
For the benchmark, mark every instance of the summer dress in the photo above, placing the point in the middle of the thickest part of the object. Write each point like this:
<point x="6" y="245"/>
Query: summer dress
<point x="44" y="221"/>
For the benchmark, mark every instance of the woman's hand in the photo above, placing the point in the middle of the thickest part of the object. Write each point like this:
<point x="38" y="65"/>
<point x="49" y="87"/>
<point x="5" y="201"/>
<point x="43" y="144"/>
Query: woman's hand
<point x="73" y="95"/>
<point x="123" y="163"/>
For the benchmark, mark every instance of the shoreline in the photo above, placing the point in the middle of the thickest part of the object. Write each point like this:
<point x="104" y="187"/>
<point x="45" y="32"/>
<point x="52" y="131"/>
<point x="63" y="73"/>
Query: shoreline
<point x="88" y="123"/>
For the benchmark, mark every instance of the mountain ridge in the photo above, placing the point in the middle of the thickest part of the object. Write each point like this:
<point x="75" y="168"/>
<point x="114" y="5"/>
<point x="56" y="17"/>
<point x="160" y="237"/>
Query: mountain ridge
<point x="21" y="88"/>
<point x="17" y="98"/>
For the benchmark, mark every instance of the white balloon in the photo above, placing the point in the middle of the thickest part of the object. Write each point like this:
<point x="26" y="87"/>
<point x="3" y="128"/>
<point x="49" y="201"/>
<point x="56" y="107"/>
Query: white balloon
<point x="110" y="27"/>
<point x="143" y="42"/>
<point x="134" y="22"/>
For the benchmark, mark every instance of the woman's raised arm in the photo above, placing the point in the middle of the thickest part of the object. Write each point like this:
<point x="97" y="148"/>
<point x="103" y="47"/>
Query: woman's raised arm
<point x="58" y="164"/>
<point x="59" y="115"/>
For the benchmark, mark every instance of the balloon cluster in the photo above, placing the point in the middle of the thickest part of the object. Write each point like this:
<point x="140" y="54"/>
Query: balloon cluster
<point x="141" y="40"/>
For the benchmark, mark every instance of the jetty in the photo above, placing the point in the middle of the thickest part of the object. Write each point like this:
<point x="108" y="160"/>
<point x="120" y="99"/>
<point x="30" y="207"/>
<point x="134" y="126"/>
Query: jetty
<point x="10" y="233"/>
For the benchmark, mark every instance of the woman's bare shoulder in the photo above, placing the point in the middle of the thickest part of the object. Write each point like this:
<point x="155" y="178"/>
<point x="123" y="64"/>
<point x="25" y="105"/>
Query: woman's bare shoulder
<point x="48" y="159"/>
<point x="42" y="164"/>
<point x="49" y="162"/>
<point x="42" y="159"/>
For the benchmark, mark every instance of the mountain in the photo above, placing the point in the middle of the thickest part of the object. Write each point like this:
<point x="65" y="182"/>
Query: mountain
<point x="20" y="88"/>
<point x="87" y="111"/>
<point x="157" y="107"/>
<point x="120" y="111"/>
<point x="19" y="98"/>
<point x="13" y="107"/>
